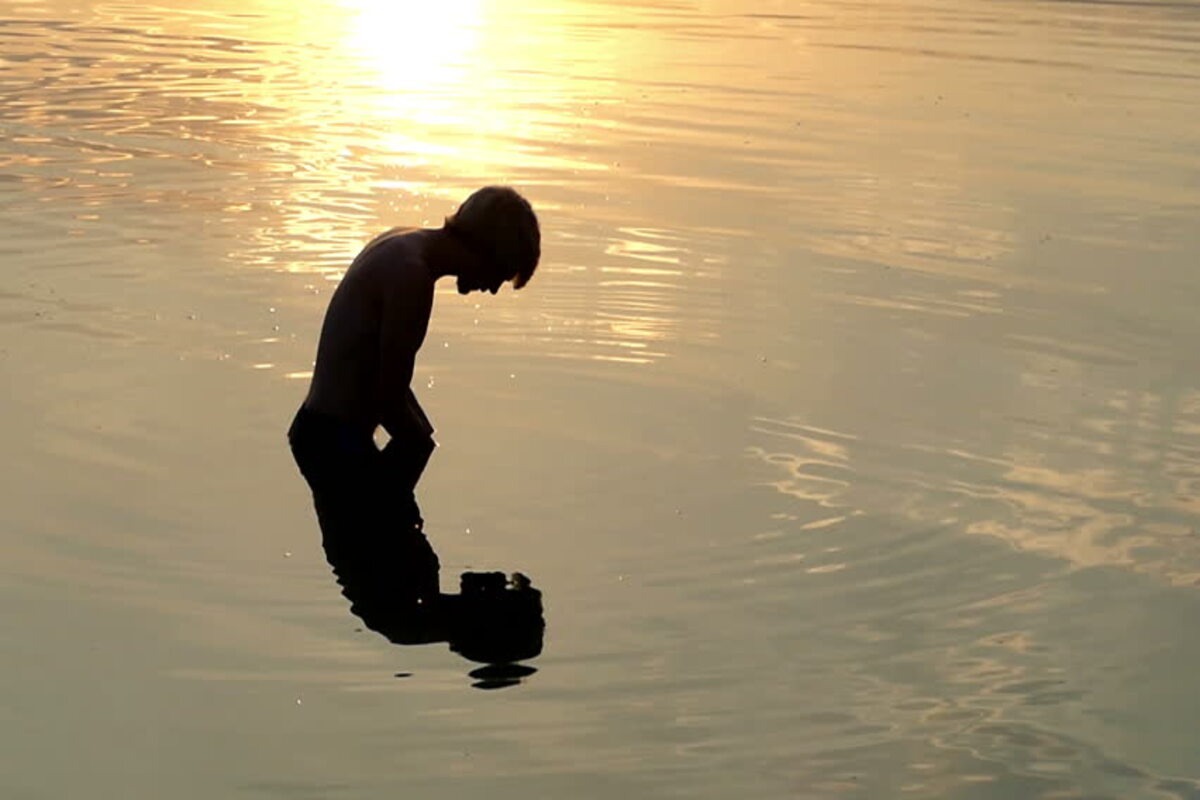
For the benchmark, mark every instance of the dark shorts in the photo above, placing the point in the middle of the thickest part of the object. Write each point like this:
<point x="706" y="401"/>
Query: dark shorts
<point x="371" y="527"/>
<point x="361" y="493"/>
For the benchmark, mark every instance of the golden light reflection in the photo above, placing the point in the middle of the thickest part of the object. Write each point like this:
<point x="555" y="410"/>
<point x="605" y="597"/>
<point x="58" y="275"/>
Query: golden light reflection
<point x="414" y="49"/>
<point x="1136" y="512"/>
<point x="1092" y="516"/>
<point x="820" y="470"/>
<point x="460" y="88"/>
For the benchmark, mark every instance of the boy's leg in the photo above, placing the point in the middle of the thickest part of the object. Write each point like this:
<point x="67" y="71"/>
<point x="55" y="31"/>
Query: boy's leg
<point x="370" y="522"/>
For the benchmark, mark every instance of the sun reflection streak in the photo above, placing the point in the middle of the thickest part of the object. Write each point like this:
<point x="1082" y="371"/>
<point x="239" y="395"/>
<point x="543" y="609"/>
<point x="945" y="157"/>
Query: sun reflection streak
<point x="414" y="49"/>
<point x="432" y="94"/>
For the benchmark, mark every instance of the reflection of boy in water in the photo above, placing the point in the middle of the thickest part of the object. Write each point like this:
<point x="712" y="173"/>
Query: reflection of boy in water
<point x="375" y="323"/>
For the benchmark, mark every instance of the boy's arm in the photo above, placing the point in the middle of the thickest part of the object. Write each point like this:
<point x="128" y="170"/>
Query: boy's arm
<point x="406" y="455"/>
<point x="407" y="304"/>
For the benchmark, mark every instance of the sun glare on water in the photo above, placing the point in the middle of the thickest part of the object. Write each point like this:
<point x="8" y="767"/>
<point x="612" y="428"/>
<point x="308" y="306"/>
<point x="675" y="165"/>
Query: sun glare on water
<point x="428" y="81"/>
<point x="415" y="48"/>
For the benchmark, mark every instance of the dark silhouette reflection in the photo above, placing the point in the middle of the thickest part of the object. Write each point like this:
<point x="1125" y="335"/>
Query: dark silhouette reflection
<point x="373" y="536"/>
<point x="497" y="676"/>
<point x="494" y="619"/>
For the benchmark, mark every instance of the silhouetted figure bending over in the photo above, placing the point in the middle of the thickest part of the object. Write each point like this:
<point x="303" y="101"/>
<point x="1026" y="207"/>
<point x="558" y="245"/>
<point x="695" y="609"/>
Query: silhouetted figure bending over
<point x="371" y="526"/>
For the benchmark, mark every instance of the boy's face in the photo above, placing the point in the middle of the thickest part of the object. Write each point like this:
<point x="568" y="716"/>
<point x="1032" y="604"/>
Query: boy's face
<point x="466" y="286"/>
<point x="479" y="275"/>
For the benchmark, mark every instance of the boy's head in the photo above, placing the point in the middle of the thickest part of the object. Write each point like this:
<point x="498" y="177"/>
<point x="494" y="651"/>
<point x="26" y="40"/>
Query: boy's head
<point x="499" y="225"/>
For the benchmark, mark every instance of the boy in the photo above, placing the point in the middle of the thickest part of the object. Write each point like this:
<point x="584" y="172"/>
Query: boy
<point x="373" y="328"/>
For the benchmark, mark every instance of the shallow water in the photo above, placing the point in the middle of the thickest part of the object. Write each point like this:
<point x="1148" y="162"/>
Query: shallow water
<point x="851" y="426"/>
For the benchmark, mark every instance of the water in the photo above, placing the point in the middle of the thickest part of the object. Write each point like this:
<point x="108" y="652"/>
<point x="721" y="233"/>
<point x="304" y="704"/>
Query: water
<point x="851" y="426"/>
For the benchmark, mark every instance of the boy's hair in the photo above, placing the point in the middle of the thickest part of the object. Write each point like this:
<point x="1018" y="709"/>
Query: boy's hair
<point x="499" y="223"/>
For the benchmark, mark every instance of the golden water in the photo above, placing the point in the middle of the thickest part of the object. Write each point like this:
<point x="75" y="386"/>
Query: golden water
<point x="851" y="425"/>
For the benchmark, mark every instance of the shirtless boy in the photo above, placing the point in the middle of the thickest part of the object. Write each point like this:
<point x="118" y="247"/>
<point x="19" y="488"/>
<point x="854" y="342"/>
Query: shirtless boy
<point x="374" y="326"/>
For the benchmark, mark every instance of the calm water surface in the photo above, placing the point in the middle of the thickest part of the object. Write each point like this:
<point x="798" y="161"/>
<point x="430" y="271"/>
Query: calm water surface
<point x="851" y="426"/>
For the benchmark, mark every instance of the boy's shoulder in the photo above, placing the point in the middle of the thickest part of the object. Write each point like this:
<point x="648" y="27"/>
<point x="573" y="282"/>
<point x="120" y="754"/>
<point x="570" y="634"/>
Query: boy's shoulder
<point x="392" y="258"/>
